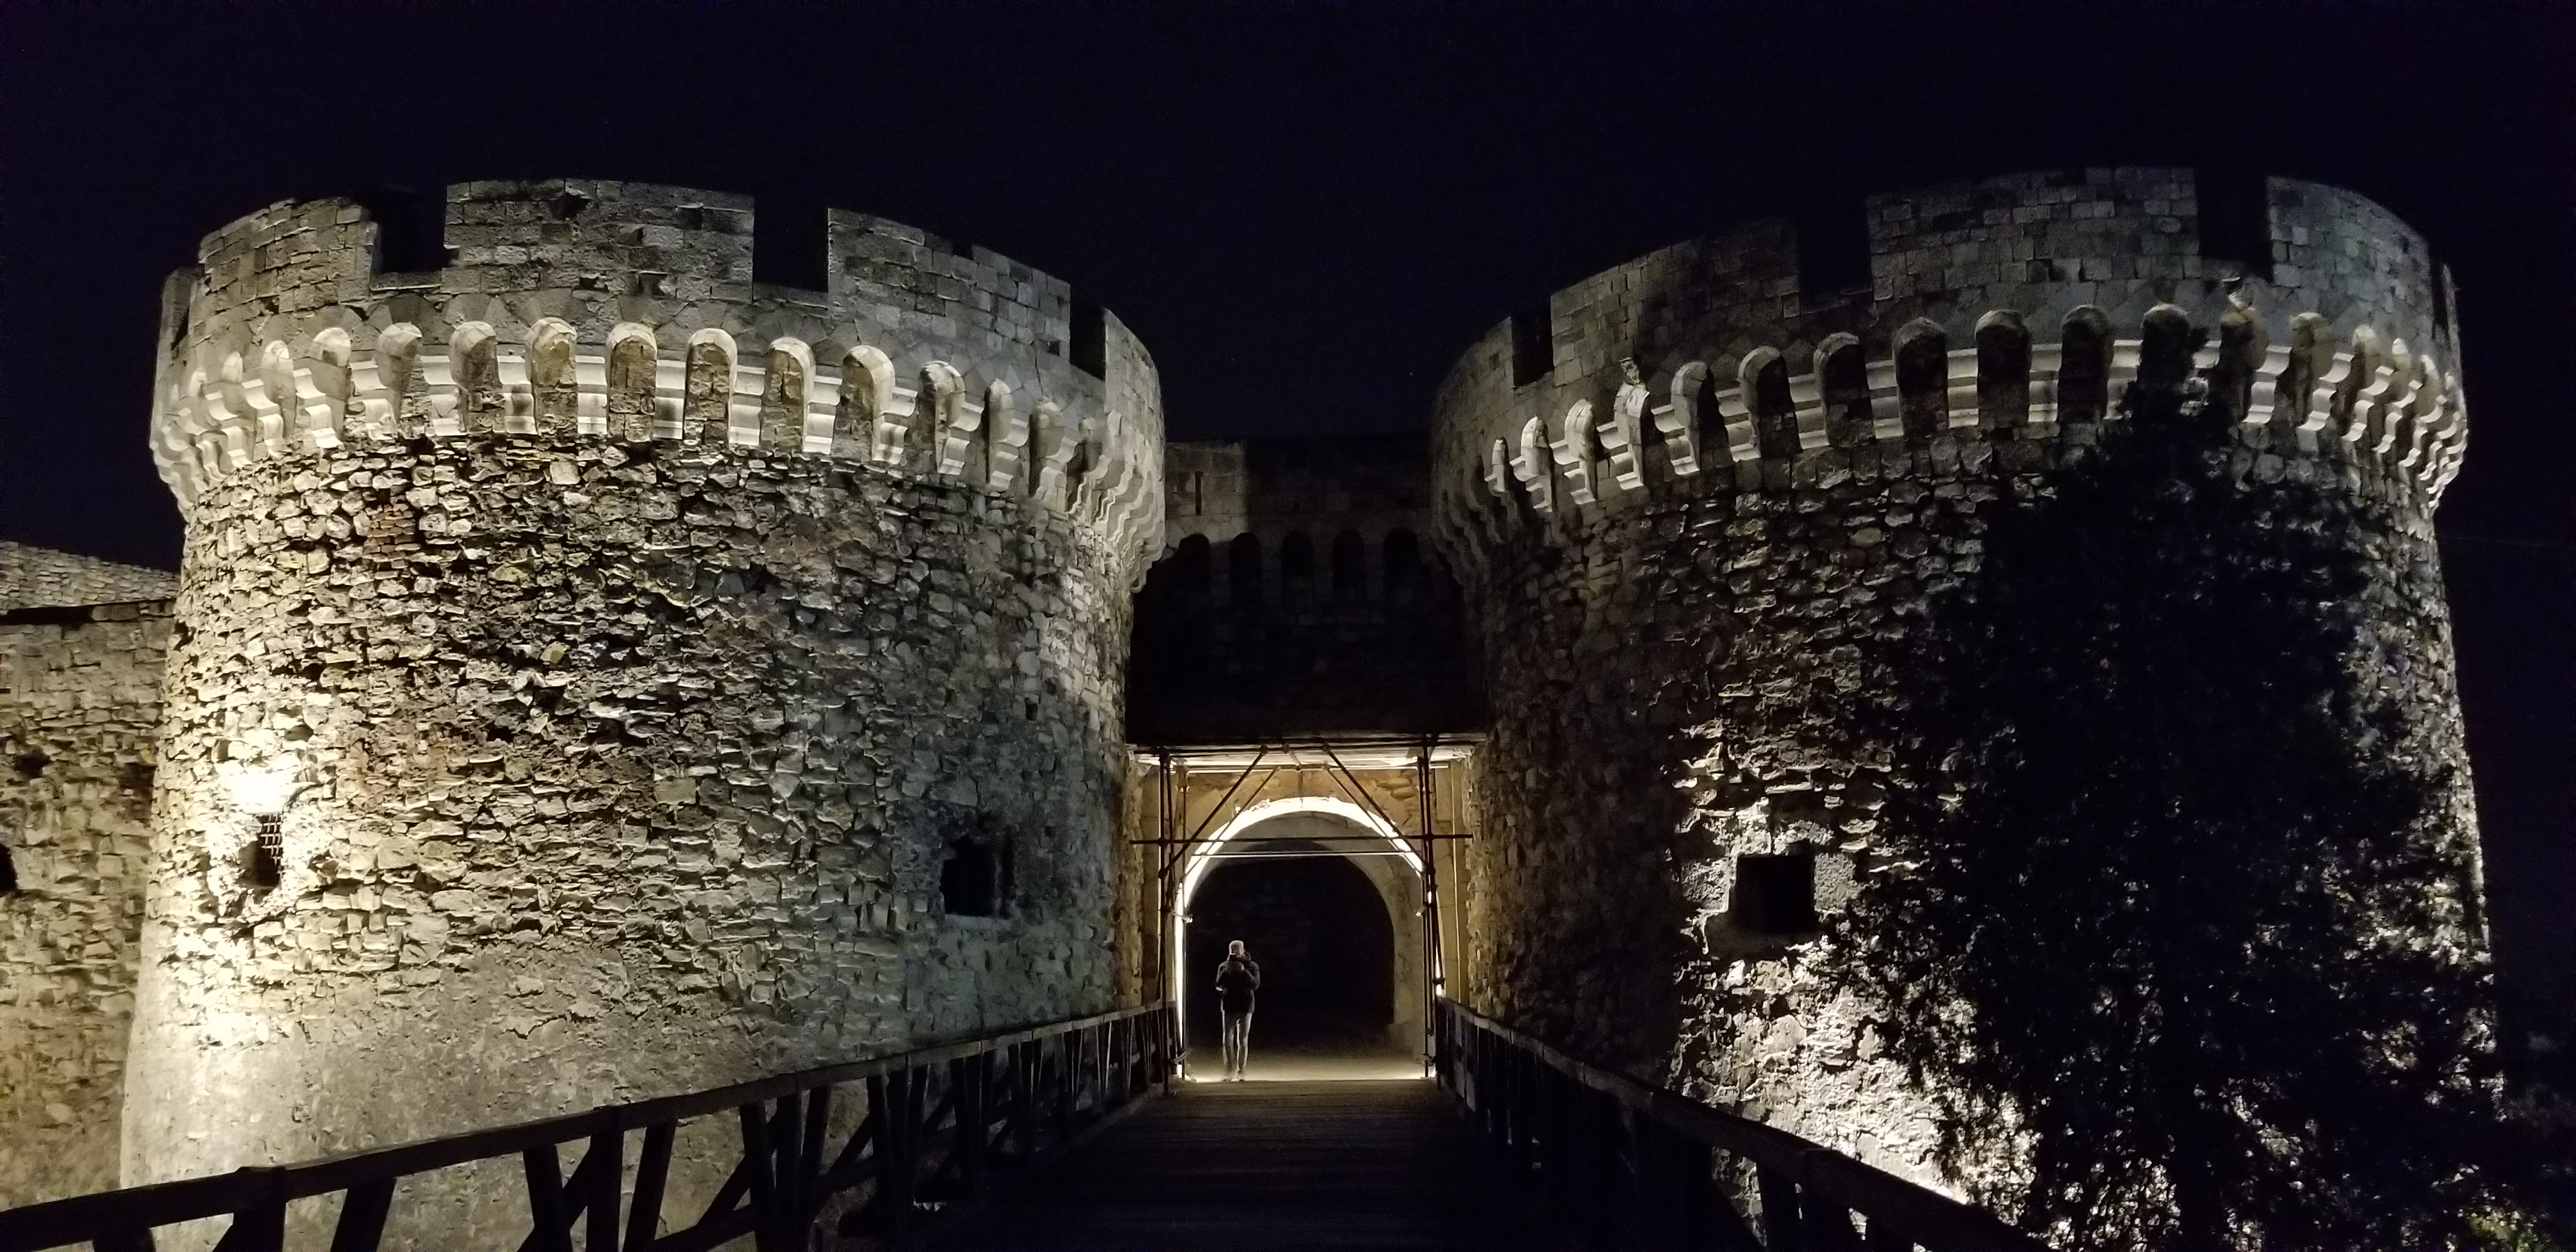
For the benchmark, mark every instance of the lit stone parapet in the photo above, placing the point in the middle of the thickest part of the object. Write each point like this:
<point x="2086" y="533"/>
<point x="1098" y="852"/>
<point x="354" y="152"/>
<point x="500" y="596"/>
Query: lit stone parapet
<point x="2015" y="309"/>
<point x="627" y="313"/>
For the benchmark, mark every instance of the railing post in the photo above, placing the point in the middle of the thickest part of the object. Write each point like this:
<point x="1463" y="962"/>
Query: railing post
<point x="809" y="1177"/>
<point x="909" y="1101"/>
<point x="1885" y="1237"/>
<point x="1024" y="1112"/>
<point x="1067" y="1049"/>
<point x="1825" y="1226"/>
<point x="259" y="1226"/>
<point x="787" y="1164"/>
<point x="888" y="1099"/>
<point x="652" y="1170"/>
<point x="760" y="1162"/>
<point x="1097" y="1072"/>
<point x="548" y="1224"/>
<point x="968" y="1074"/>
<point x="1122" y="1062"/>
<point x="607" y="1161"/>
<point x="1780" y="1225"/>
<point x="361" y="1227"/>
<point x="1493" y="1087"/>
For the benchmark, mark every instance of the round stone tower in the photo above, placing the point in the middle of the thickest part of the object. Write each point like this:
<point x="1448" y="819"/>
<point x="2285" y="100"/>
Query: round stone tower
<point x="602" y="674"/>
<point x="1702" y="502"/>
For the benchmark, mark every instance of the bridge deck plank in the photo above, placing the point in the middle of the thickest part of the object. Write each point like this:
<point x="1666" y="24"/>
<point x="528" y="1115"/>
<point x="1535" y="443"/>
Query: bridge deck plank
<point x="1383" y="1165"/>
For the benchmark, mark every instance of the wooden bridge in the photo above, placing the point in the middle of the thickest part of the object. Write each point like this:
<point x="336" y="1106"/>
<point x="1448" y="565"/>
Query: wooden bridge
<point x="1082" y="1136"/>
<point x="1381" y="1164"/>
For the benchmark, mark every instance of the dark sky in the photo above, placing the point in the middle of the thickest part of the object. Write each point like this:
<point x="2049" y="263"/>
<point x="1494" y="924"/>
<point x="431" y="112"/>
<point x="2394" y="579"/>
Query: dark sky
<point x="1307" y="212"/>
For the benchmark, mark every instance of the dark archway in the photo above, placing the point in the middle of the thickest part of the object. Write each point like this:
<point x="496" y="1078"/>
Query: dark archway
<point x="1243" y="570"/>
<point x="1320" y="930"/>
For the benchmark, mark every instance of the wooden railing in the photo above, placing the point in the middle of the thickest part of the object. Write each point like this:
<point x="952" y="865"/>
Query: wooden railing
<point x="1626" y="1165"/>
<point x="942" y="1125"/>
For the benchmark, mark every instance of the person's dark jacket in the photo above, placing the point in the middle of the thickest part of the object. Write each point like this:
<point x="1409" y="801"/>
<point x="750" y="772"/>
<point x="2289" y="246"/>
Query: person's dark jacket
<point x="1236" y="980"/>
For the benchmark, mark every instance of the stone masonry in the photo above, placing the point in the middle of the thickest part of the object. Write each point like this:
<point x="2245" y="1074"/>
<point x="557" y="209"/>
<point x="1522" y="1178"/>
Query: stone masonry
<point x="1297" y="595"/>
<point x="1698" y="507"/>
<point x="588" y="658"/>
<point x="81" y="648"/>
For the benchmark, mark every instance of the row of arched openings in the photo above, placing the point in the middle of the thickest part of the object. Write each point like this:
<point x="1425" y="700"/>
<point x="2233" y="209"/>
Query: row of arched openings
<point x="1921" y="351"/>
<point x="1193" y="566"/>
<point x="1012" y="439"/>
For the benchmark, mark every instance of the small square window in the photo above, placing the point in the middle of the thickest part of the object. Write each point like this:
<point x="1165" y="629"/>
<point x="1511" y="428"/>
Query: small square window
<point x="975" y="880"/>
<point x="1775" y="894"/>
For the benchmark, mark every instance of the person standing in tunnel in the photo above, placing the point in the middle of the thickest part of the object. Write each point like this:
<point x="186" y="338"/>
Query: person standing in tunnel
<point x="1236" y="980"/>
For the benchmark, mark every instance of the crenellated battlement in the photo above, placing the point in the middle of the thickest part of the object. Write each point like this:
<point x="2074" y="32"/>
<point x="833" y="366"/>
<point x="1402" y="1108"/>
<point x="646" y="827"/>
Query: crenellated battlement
<point x="628" y="313"/>
<point x="2371" y="403"/>
<point x="2023" y="310"/>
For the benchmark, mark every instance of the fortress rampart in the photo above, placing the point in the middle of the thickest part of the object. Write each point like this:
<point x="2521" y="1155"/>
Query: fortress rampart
<point x="599" y="674"/>
<point x="1296" y="595"/>
<point x="1699" y="511"/>
<point x="81" y="647"/>
<point x="625" y="312"/>
<point x="2015" y="307"/>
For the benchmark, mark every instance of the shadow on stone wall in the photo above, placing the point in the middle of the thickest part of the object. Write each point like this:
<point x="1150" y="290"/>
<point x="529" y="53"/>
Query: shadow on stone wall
<point x="2180" y="901"/>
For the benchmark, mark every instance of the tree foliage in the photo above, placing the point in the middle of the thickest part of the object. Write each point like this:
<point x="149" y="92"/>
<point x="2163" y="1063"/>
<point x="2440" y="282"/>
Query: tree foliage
<point x="2172" y="908"/>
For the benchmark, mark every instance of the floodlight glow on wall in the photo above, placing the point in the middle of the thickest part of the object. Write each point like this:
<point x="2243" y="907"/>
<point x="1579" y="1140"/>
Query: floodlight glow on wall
<point x="262" y="789"/>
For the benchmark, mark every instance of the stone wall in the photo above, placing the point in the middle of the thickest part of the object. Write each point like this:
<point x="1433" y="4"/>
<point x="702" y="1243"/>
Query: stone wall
<point x="584" y="683"/>
<point x="1297" y="594"/>
<point x="1688" y="581"/>
<point x="33" y="577"/>
<point x="80" y="706"/>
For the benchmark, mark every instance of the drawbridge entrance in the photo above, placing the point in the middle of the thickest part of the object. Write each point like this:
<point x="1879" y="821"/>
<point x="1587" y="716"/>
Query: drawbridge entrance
<point x="1324" y="857"/>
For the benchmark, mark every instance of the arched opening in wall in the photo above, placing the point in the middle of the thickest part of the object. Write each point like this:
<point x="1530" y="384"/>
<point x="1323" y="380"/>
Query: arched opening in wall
<point x="2084" y="366"/>
<point x="1191" y="566"/>
<point x="1243" y="570"/>
<point x="1296" y="565"/>
<point x="1775" y="412"/>
<point x="2003" y="369"/>
<point x="632" y="366"/>
<point x="1404" y="574"/>
<point x="1350" y="565"/>
<point x="264" y="857"/>
<point x="8" y="872"/>
<point x="1843" y="379"/>
<point x="1320" y="931"/>
<point x="1922" y="377"/>
<point x="1329" y="900"/>
<point x="476" y="368"/>
<point x="551" y="375"/>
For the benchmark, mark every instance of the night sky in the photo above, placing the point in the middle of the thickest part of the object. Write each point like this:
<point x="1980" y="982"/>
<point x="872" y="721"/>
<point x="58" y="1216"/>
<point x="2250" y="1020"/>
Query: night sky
<point x="1308" y="212"/>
